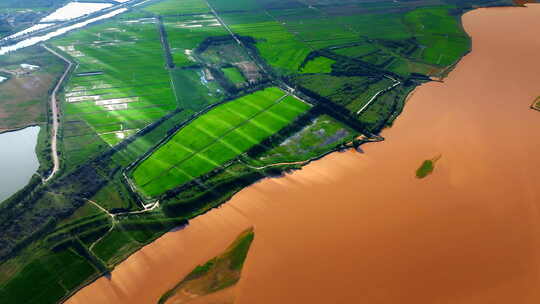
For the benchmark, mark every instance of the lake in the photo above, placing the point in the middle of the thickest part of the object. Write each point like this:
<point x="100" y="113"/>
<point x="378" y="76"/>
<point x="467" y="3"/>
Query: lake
<point x="18" y="160"/>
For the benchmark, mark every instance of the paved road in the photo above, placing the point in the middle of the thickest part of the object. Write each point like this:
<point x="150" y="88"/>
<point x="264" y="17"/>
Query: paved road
<point x="55" y="115"/>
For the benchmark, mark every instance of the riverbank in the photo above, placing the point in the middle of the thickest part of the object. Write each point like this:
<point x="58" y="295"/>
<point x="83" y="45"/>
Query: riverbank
<point x="355" y="226"/>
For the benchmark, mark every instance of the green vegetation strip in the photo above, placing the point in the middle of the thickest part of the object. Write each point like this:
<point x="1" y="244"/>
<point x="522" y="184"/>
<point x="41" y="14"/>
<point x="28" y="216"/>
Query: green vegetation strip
<point x="216" y="138"/>
<point x="219" y="273"/>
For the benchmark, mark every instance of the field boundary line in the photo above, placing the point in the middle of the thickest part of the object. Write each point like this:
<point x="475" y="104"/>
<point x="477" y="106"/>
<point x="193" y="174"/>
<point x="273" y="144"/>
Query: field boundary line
<point x="374" y="97"/>
<point x="278" y="82"/>
<point x="217" y="139"/>
<point x="172" y="131"/>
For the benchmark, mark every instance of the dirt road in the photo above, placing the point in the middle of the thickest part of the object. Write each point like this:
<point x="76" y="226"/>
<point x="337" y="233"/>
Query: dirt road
<point x="55" y="115"/>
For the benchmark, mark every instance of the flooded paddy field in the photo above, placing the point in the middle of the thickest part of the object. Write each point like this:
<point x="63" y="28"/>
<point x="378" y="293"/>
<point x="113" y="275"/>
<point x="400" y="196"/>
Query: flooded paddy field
<point x="362" y="227"/>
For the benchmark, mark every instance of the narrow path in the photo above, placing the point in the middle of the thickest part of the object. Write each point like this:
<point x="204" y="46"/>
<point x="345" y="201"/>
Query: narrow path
<point x="113" y="222"/>
<point x="101" y="208"/>
<point x="278" y="82"/>
<point x="300" y="162"/>
<point x="396" y="83"/>
<point x="55" y="115"/>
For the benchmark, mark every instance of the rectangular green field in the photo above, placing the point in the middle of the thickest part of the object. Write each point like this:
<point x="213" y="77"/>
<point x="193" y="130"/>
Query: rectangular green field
<point x="234" y="75"/>
<point x="216" y="138"/>
<point x="318" y="65"/>
<point x="170" y="7"/>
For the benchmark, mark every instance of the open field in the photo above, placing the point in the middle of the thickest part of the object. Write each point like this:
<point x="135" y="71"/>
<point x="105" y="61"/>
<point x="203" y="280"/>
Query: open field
<point x="222" y="52"/>
<point x="120" y="85"/>
<point x="185" y="33"/>
<point x="23" y="94"/>
<point x="194" y="91"/>
<point x="281" y="49"/>
<point x="215" y="138"/>
<point x="441" y="33"/>
<point x="321" y="135"/>
<point x="172" y="7"/>
<point x="357" y="51"/>
<point x="318" y="65"/>
<point x="234" y="75"/>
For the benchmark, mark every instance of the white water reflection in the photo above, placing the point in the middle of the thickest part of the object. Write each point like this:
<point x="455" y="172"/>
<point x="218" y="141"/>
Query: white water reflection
<point x="35" y="40"/>
<point x="74" y="10"/>
<point x="29" y="30"/>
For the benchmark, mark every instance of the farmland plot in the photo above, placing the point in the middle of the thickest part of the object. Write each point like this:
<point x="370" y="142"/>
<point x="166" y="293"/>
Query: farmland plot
<point x="442" y="34"/>
<point x="120" y="84"/>
<point x="215" y="138"/>
<point x="186" y="33"/>
<point x="171" y="7"/>
<point x="281" y="49"/>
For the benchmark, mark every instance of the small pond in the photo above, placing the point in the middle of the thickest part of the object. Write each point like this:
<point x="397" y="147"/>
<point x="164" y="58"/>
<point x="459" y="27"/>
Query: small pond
<point x="18" y="160"/>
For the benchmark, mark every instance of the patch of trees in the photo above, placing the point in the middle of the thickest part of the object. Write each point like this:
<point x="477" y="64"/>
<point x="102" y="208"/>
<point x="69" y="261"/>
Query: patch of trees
<point x="165" y="43"/>
<point x="31" y="219"/>
<point x="162" y="224"/>
<point x="218" y="40"/>
<point x="85" y="228"/>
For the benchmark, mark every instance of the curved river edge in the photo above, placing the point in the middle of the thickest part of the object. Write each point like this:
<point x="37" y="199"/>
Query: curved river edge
<point x="362" y="226"/>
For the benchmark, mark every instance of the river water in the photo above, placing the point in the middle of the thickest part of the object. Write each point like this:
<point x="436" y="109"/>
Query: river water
<point x="44" y="37"/>
<point x="18" y="160"/>
<point x="361" y="228"/>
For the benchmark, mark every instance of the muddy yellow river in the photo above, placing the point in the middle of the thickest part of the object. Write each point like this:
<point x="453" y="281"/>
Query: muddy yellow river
<point x="361" y="228"/>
